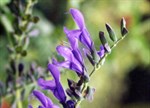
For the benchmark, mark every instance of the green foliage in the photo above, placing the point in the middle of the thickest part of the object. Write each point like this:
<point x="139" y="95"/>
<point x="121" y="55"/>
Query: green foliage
<point x="134" y="50"/>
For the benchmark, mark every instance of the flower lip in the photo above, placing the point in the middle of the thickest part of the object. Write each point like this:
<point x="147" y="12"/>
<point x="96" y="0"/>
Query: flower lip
<point x="83" y="35"/>
<point x="59" y="91"/>
<point x="73" y="59"/>
<point x="53" y="85"/>
<point x="78" y="17"/>
<point x="42" y="98"/>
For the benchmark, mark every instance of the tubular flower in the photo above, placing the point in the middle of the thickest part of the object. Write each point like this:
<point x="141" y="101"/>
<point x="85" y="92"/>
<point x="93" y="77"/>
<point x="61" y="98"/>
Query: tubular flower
<point x="82" y="35"/>
<point x="45" y="101"/>
<point x="54" y="85"/>
<point x="73" y="59"/>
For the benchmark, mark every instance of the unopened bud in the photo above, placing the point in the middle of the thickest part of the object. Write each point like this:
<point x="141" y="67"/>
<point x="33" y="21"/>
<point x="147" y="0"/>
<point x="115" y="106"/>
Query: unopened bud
<point x="124" y="31"/>
<point x="35" y="19"/>
<point x="111" y="33"/>
<point x="90" y="59"/>
<point x="102" y="38"/>
<point x="89" y="92"/>
<point x="69" y="93"/>
<point x="104" y="42"/>
<point x="71" y="84"/>
<point x="18" y="49"/>
<point x="89" y="56"/>
<point x="86" y="78"/>
<point x="95" y="55"/>
<point x="71" y="104"/>
<point x="20" y="68"/>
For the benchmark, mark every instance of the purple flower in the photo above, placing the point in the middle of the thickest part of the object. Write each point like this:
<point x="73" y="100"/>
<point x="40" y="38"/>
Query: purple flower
<point x="54" y="85"/>
<point x="71" y="104"/>
<point x="45" y="101"/>
<point x="73" y="59"/>
<point x="101" y="52"/>
<point x="29" y="106"/>
<point x="82" y="35"/>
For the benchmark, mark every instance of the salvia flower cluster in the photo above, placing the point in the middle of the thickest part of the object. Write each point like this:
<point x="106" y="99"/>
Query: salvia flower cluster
<point x="73" y="60"/>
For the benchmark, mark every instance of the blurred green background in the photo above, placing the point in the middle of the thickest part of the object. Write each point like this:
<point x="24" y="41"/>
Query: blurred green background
<point x="124" y="79"/>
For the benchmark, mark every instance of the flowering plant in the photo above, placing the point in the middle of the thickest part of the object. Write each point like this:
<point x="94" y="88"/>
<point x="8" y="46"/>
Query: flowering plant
<point x="73" y="60"/>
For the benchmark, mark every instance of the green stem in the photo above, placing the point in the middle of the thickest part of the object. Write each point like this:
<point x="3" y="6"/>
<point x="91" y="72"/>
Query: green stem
<point x="18" y="92"/>
<point x="94" y="69"/>
<point x="84" y="88"/>
<point x="18" y="96"/>
<point x="97" y="67"/>
<point x="99" y="64"/>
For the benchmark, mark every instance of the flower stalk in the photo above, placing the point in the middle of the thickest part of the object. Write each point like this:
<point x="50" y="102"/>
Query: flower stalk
<point x="73" y="60"/>
<point x="17" y="34"/>
<point x="97" y="67"/>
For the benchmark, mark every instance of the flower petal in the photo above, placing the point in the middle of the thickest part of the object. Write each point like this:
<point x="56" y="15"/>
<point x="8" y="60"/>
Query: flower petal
<point x="71" y="103"/>
<point x="65" y="52"/>
<point x="29" y="106"/>
<point x="55" y="72"/>
<point x="41" y="107"/>
<point x="42" y="98"/>
<point x="65" y="64"/>
<point x="59" y="91"/>
<point x="49" y="103"/>
<point x="74" y="65"/>
<point x="85" y="36"/>
<point x="102" y="51"/>
<point x="77" y="68"/>
<point x="47" y="85"/>
<point x="78" y="17"/>
<point x="78" y="56"/>
<point x="73" y="36"/>
<point x="86" y="40"/>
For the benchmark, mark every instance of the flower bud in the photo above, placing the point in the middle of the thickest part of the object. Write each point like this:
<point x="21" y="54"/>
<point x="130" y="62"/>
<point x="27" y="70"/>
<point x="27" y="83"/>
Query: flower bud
<point x="95" y="56"/>
<point x="71" y="104"/>
<point x="102" y="38"/>
<point x="24" y="53"/>
<point x="71" y="84"/>
<point x="90" y="59"/>
<point x="104" y="42"/>
<point x="111" y="33"/>
<point x="18" y="49"/>
<point x="69" y="93"/>
<point x="78" y="94"/>
<point x="86" y="78"/>
<point x="89" y="56"/>
<point x="35" y="19"/>
<point x="89" y="92"/>
<point x="20" y="68"/>
<point x="124" y="31"/>
<point x="107" y="48"/>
